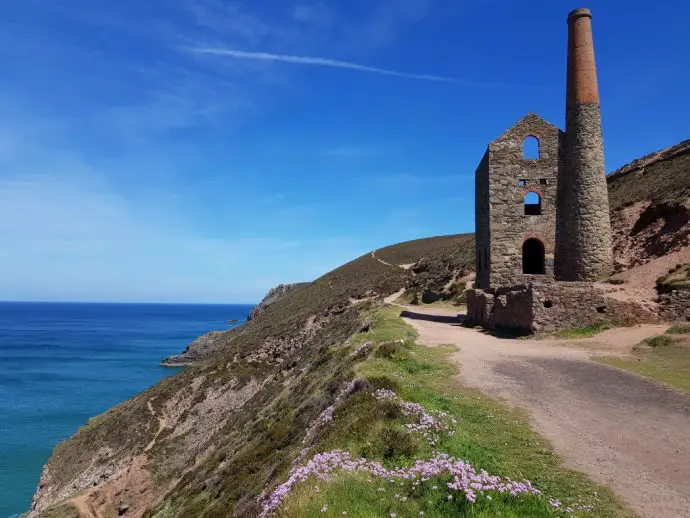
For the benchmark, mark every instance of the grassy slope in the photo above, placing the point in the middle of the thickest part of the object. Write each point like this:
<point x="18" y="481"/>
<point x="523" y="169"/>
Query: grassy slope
<point x="665" y="358"/>
<point x="664" y="181"/>
<point x="486" y="435"/>
<point x="233" y="462"/>
<point x="458" y="249"/>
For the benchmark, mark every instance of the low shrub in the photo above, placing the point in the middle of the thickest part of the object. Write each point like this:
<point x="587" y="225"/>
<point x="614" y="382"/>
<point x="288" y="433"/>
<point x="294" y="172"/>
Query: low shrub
<point x="680" y="329"/>
<point x="615" y="281"/>
<point x="659" y="341"/>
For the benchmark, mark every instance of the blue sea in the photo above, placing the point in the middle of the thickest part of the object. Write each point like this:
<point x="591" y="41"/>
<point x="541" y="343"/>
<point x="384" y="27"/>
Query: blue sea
<point x="63" y="363"/>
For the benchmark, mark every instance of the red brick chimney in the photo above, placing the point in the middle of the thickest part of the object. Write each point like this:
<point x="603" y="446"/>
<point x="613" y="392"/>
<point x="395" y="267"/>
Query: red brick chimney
<point x="582" y="71"/>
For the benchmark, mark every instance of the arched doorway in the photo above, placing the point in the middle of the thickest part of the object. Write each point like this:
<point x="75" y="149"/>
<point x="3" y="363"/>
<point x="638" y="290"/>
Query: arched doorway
<point x="533" y="257"/>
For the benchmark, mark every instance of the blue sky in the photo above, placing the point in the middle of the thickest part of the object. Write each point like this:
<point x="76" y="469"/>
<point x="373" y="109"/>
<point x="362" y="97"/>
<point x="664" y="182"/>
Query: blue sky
<point x="206" y="150"/>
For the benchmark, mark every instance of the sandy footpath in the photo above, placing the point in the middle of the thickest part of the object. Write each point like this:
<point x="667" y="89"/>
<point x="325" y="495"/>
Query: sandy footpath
<point x="628" y="433"/>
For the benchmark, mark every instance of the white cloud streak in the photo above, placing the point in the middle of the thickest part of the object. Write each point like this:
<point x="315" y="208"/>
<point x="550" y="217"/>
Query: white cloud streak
<point x="322" y="62"/>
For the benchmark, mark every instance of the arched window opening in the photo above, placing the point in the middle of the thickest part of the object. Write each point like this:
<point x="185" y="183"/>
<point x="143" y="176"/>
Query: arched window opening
<point x="533" y="257"/>
<point x="532" y="204"/>
<point x="530" y="148"/>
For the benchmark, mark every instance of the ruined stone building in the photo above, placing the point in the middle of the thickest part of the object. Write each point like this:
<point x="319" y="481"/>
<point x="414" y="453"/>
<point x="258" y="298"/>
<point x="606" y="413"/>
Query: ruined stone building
<point x="543" y="232"/>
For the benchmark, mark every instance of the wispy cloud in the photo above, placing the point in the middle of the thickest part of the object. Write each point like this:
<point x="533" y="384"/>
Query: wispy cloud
<point x="323" y="62"/>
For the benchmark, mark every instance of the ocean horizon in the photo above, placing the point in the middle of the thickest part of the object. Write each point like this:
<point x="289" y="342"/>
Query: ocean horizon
<point x="64" y="362"/>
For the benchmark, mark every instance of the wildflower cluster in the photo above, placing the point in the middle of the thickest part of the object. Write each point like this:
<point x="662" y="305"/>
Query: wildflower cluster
<point x="557" y="504"/>
<point x="466" y="481"/>
<point x="429" y="425"/>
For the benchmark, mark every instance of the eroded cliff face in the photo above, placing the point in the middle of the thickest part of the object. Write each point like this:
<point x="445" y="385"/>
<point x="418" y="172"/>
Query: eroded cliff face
<point x="650" y="206"/>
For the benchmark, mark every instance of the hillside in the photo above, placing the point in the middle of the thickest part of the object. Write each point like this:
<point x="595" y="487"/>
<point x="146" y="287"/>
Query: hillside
<point x="315" y="372"/>
<point x="650" y="211"/>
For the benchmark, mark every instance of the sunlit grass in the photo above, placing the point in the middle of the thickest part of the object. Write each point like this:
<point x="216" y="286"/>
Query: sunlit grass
<point x="486" y="435"/>
<point x="582" y="332"/>
<point x="664" y="358"/>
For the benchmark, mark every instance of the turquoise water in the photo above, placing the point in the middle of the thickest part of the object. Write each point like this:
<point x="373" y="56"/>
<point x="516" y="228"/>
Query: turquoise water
<point x="63" y="363"/>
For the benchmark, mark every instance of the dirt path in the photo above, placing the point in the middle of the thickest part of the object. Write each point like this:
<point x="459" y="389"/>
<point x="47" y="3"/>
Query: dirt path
<point x="162" y="424"/>
<point x="403" y="266"/>
<point x="628" y="433"/>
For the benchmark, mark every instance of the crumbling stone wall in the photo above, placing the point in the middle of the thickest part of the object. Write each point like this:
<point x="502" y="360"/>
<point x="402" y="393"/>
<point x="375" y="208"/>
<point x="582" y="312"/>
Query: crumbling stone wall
<point x="549" y="306"/>
<point x="503" y="179"/>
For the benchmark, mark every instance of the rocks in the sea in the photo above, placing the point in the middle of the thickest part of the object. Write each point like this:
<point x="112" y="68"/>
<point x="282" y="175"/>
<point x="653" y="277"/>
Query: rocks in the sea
<point x="195" y="351"/>
<point x="273" y="296"/>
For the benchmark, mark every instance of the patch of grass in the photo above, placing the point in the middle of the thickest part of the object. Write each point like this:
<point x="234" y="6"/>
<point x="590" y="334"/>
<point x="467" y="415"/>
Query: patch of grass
<point x="664" y="358"/>
<point x="677" y="278"/>
<point x="659" y="341"/>
<point x="365" y="500"/>
<point x="487" y="435"/>
<point x="680" y="329"/>
<point x="662" y="182"/>
<point x="669" y="365"/>
<point x="582" y="332"/>
<point x="61" y="511"/>
<point x="612" y="280"/>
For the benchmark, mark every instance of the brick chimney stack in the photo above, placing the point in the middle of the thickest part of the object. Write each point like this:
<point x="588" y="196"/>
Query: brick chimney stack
<point x="583" y="226"/>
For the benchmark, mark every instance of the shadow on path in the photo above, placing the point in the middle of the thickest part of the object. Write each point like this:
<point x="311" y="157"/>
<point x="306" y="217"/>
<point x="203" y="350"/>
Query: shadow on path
<point x="441" y="319"/>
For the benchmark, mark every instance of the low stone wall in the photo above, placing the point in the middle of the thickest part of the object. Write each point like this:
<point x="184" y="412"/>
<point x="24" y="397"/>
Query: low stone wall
<point x="564" y="305"/>
<point x="552" y="306"/>
<point x="675" y="305"/>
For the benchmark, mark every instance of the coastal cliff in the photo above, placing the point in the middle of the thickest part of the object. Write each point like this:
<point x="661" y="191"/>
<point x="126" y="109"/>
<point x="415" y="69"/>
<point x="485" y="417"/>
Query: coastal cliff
<point x="225" y="436"/>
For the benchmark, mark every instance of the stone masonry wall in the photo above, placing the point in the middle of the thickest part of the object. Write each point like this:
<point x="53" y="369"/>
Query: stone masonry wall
<point x="583" y="236"/>
<point x="551" y="306"/>
<point x="482" y="205"/>
<point x="502" y="230"/>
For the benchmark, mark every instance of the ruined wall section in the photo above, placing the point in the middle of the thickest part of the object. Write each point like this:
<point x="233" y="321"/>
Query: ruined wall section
<point x="482" y="234"/>
<point x="550" y="306"/>
<point x="511" y="177"/>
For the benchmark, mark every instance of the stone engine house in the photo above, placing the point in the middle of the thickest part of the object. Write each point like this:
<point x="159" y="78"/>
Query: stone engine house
<point x="515" y="208"/>
<point x="543" y="233"/>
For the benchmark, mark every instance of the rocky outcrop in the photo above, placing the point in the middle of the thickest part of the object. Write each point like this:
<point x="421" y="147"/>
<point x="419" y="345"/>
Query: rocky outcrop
<point x="643" y="232"/>
<point x="197" y="350"/>
<point x="273" y="296"/>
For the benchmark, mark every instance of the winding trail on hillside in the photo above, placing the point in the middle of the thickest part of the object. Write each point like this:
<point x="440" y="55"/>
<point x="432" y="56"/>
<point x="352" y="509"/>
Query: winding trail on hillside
<point x="624" y="431"/>
<point x="386" y="263"/>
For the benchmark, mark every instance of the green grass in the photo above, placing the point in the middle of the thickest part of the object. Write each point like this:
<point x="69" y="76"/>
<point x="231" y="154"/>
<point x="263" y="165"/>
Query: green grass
<point x="659" y="341"/>
<point x="487" y="435"/>
<point x="677" y="278"/>
<point x="664" y="181"/>
<point x="582" y="332"/>
<point x="61" y="511"/>
<point x="680" y="329"/>
<point x="613" y="280"/>
<point x="664" y="358"/>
